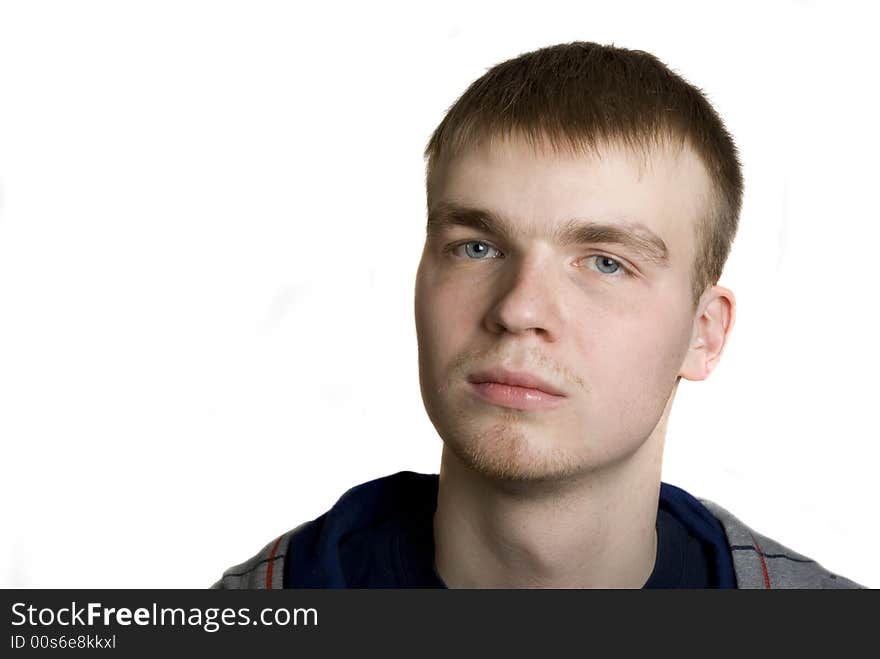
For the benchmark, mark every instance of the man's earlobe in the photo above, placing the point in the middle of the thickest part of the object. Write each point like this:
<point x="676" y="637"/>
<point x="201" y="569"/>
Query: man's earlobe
<point x="711" y="330"/>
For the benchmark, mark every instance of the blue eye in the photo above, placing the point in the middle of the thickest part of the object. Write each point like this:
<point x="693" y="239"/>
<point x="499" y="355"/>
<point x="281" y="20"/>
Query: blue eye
<point x="474" y="254"/>
<point x="606" y="264"/>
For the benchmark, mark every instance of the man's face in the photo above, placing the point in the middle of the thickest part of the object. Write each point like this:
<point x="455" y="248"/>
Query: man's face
<point x="607" y="323"/>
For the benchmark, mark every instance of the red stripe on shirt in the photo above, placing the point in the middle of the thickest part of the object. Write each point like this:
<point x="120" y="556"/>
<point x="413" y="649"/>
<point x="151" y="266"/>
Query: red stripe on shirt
<point x="763" y="564"/>
<point x="271" y="565"/>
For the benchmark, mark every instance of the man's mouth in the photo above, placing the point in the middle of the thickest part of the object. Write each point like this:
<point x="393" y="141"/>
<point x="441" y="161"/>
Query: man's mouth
<point x="515" y="389"/>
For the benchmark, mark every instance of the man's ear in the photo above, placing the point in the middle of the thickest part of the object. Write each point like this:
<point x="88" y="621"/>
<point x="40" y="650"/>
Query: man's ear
<point x="712" y="326"/>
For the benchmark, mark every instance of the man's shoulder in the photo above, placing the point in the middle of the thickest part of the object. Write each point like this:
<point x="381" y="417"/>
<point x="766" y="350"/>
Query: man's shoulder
<point x="763" y="563"/>
<point x="265" y="569"/>
<point x="364" y="503"/>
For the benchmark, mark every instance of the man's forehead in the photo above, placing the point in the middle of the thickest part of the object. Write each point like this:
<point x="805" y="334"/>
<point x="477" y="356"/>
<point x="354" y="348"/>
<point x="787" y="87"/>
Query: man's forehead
<point x="666" y="161"/>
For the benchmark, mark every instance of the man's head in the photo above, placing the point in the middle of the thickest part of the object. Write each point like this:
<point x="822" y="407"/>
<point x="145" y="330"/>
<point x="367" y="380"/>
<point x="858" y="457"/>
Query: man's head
<point x="581" y="204"/>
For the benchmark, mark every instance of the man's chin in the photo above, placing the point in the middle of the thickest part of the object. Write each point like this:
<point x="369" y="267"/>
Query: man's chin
<point x="511" y="457"/>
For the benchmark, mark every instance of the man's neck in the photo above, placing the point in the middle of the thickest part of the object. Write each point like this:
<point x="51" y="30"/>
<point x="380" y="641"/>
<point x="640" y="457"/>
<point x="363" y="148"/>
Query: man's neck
<point x="597" y="531"/>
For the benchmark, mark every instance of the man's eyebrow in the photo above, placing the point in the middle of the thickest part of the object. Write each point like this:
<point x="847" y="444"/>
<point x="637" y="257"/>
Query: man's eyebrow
<point x="634" y="235"/>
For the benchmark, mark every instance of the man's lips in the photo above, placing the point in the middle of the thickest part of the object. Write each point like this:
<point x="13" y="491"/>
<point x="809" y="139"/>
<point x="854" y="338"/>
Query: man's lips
<point x="518" y="398"/>
<point x="515" y="379"/>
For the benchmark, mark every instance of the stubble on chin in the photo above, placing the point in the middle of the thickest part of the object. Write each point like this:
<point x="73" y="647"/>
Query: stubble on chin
<point x="507" y="452"/>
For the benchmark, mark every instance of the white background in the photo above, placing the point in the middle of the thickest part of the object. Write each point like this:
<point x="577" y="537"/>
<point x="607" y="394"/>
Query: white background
<point x="211" y="214"/>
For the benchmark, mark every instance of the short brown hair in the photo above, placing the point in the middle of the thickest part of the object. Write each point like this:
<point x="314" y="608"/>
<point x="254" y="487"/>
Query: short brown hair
<point x="579" y="96"/>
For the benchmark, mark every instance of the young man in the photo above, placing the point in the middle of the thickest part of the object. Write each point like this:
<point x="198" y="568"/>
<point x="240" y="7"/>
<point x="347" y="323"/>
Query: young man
<point x="582" y="200"/>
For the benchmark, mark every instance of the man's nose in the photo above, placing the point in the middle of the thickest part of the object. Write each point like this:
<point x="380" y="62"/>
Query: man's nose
<point x="528" y="296"/>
